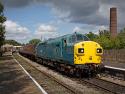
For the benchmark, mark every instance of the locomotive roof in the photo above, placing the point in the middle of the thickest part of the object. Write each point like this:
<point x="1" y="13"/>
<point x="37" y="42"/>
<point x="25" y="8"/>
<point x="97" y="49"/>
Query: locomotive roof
<point x="59" y="38"/>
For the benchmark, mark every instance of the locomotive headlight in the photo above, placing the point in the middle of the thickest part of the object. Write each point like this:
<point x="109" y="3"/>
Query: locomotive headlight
<point x="81" y="50"/>
<point x="99" y="50"/>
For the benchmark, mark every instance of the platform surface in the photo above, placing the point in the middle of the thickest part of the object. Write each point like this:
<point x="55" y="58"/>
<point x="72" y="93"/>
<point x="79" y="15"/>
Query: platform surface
<point x="115" y="64"/>
<point x="13" y="79"/>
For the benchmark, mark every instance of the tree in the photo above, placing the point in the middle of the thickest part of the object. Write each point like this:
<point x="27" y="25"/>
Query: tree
<point x="2" y="27"/>
<point x="105" y="42"/>
<point x="121" y="37"/>
<point x="117" y="43"/>
<point x="34" y="41"/>
<point x="12" y="42"/>
<point x="105" y="33"/>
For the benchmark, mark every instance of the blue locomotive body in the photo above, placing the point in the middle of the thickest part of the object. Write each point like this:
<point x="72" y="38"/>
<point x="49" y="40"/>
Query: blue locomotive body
<point x="72" y="53"/>
<point x="58" y="49"/>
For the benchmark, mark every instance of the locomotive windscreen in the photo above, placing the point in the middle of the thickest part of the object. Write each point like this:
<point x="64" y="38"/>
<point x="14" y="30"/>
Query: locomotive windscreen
<point x="77" y="38"/>
<point x="81" y="37"/>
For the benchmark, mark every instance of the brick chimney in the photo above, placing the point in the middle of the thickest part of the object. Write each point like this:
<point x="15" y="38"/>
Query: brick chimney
<point x="113" y="22"/>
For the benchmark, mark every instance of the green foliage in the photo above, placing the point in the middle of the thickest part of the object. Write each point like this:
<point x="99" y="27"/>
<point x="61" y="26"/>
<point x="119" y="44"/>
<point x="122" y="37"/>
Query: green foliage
<point x="34" y="41"/>
<point x="12" y="42"/>
<point x="1" y="8"/>
<point x="121" y="37"/>
<point x="117" y="44"/>
<point x="2" y="28"/>
<point x="103" y="39"/>
<point x="105" y="42"/>
<point x="105" y="33"/>
<point x="2" y="32"/>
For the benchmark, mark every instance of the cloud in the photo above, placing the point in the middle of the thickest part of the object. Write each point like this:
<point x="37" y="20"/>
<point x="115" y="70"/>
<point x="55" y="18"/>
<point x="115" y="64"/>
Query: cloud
<point x="46" y="28"/>
<point x="46" y="31"/>
<point x="77" y="29"/>
<point x="22" y="34"/>
<point x="92" y="12"/>
<point x="16" y="3"/>
<point x="89" y="28"/>
<point x="16" y="31"/>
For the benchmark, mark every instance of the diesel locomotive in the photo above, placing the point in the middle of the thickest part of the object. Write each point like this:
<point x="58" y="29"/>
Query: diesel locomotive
<point x="73" y="53"/>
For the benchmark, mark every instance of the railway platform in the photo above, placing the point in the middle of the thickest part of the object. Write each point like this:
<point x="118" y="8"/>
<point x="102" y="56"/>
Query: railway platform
<point x="13" y="80"/>
<point x="115" y="64"/>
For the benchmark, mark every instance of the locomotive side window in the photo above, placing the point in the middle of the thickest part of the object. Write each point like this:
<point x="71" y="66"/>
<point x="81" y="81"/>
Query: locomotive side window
<point x="72" y="39"/>
<point x="64" y="42"/>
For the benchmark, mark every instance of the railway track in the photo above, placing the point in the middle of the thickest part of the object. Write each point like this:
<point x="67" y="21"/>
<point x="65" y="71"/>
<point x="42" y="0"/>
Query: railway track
<point x="98" y="83"/>
<point x="48" y="82"/>
<point x="115" y="72"/>
<point x="105" y="85"/>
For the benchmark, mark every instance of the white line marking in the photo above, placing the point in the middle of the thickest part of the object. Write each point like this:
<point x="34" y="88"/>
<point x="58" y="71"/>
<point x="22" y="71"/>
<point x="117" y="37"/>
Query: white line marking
<point x="115" y="68"/>
<point x="42" y="90"/>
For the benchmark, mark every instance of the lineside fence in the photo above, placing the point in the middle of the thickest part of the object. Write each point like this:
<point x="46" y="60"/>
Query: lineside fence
<point x="114" y="55"/>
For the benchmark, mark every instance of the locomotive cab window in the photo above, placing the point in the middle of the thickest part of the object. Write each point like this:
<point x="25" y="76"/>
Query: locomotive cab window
<point x="78" y="37"/>
<point x="81" y="37"/>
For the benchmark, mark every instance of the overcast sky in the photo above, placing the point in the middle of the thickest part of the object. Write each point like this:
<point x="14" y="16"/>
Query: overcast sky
<point x="27" y="19"/>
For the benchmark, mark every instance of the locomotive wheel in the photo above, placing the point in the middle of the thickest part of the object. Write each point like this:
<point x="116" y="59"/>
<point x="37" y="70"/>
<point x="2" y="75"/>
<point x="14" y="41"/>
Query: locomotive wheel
<point x="78" y="73"/>
<point x="72" y="71"/>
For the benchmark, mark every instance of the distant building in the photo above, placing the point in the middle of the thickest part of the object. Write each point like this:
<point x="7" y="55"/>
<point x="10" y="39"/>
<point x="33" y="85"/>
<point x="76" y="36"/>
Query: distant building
<point x="7" y="48"/>
<point x="16" y="48"/>
<point x="10" y="48"/>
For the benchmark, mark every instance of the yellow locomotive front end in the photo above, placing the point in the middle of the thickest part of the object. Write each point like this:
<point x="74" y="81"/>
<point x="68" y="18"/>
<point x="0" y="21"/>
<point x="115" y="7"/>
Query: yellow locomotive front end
<point x="87" y="52"/>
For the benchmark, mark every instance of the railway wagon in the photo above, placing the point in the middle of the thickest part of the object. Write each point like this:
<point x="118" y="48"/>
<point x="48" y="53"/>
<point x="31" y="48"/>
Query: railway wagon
<point x="72" y="53"/>
<point x="28" y="51"/>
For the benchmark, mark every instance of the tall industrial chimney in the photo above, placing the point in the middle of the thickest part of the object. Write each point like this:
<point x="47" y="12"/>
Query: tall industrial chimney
<point x="113" y="22"/>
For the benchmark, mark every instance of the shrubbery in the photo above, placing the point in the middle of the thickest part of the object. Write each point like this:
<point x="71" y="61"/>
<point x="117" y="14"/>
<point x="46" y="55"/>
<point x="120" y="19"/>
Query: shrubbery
<point x="106" y="42"/>
<point x="2" y="27"/>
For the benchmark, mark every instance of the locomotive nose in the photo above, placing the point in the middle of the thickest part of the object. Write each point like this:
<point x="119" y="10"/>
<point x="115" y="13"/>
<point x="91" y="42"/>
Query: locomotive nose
<point x="87" y="52"/>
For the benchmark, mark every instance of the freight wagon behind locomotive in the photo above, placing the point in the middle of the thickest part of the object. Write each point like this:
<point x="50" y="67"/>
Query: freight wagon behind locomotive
<point x="28" y="51"/>
<point x="72" y="53"/>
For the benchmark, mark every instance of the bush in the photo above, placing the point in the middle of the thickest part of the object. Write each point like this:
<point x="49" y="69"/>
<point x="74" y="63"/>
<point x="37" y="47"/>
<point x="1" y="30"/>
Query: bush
<point x="105" y="42"/>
